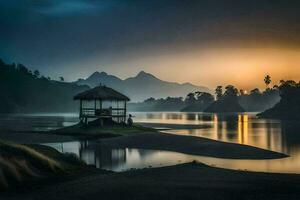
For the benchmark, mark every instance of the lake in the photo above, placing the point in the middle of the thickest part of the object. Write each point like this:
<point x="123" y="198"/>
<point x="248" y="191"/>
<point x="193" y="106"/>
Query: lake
<point x="244" y="128"/>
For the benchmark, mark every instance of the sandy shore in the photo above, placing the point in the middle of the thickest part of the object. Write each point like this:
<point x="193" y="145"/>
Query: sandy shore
<point x="186" y="181"/>
<point x="190" y="145"/>
<point x="173" y="126"/>
<point x="157" y="141"/>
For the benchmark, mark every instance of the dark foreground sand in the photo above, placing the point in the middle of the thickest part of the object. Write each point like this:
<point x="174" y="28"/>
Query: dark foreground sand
<point x="186" y="181"/>
<point x="190" y="145"/>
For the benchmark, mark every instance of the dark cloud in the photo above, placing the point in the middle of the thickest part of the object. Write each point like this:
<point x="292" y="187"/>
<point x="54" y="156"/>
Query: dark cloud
<point x="70" y="8"/>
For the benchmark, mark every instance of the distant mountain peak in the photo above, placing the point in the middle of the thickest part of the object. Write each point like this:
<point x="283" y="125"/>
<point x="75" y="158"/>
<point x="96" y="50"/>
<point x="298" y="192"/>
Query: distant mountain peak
<point x="100" y="78"/>
<point x="188" y="84"/>
<point x="96" y="74"/>
<point x="103" y="73"/>
<point x="143" y="74"/>
<point x="141" y="86"/>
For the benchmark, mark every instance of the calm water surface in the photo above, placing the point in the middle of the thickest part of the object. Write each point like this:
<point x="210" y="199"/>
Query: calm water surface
<point x="237" y="128"/>
<point x="37" y="122"/>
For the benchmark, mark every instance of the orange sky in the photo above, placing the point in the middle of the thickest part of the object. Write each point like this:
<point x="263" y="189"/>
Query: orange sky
<point x="204" y="42"/>
<point x="243" y="67"/>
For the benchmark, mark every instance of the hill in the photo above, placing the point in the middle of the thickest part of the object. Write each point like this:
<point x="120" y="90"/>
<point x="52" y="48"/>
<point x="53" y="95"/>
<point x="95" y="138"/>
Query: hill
<point x="288" y="108"/>
<point x="24" y="91"/>
<point x="142" y="86"/>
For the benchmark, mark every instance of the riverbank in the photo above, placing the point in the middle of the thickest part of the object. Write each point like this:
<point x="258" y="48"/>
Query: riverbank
<point x="72" y="133"/>
<point x="185" y="181"/>
<point x="188" y="181"/>
<point x="155" y="141"/>
<point x="23" y="164"/>
<point x="167" y="126"/>
<point x="94" y="131"/>
<point x="190" y="145"/>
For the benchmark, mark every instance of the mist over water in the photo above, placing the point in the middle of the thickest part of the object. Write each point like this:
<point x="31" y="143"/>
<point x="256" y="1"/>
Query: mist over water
<point x="37" y="121"/>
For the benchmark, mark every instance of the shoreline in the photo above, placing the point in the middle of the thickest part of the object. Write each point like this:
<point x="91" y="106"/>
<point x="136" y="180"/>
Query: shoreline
<point x="190" y="145"/>
<point x="141" y="137"/>
<point x="169" y="126"/>
<point x="188" y="180"/>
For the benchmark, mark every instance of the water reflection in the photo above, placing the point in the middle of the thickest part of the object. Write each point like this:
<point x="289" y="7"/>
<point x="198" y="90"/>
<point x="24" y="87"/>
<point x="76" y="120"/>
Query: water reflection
<point x="237" y="128"/>
<point x="95" y="154"/>
<point x="243" y="129"/>
<point x="275" y="135"/>
<point x="37" y="122"/>
<point x="173" y="117"/>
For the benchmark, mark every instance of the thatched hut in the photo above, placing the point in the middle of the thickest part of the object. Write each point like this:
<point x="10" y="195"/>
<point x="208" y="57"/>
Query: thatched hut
<point x="102" y="102"/>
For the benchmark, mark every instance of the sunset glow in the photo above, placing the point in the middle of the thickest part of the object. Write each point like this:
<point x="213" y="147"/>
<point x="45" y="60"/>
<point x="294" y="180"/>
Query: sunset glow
<point x="244" y="68"/>
<point x="206" y="43"/>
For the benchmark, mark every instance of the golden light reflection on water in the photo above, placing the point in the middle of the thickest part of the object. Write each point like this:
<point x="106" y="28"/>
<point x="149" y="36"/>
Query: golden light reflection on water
<point x="215" y="127"/>
<point x="243" y="129"/>
<point x="240" y="128"/>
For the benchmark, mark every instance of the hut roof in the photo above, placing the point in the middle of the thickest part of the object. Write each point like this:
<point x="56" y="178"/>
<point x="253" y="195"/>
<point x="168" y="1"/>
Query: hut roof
<point x="101" y="92"/>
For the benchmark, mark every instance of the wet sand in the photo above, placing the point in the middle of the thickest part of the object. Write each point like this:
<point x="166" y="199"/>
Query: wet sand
<point x="174" y="126"/>
<point x="157" y="141"/>
<point x="190" y="145"/>
<point x="185" y="181"/>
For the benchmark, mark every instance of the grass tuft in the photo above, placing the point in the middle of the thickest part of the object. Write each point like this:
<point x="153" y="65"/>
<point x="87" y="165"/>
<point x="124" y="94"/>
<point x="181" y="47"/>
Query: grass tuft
<point x="21" y="163"/>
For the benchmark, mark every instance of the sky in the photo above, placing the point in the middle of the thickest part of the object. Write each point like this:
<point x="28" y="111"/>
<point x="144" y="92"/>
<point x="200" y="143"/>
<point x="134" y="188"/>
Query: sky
<point x="207" y="42"/>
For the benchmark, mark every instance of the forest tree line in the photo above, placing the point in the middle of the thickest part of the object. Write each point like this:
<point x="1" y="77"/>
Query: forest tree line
<point x="225" y="99"/>
<point x="23" y="90"/>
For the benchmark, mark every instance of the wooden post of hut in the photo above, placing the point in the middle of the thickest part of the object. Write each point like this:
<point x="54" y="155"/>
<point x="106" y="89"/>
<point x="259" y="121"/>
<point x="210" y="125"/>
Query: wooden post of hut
<point x="102" y="103"/>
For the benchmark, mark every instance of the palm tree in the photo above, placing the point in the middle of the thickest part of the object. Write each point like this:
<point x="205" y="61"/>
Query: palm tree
<point x="190" y="98"/>
<point x="267" y="80"/>
<point x="219" y="92"/>
<point x="231" y="91"/>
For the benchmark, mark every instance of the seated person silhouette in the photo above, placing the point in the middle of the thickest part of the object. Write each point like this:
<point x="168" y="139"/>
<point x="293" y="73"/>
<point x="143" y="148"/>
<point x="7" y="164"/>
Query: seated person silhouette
<point x="129" y="120"/>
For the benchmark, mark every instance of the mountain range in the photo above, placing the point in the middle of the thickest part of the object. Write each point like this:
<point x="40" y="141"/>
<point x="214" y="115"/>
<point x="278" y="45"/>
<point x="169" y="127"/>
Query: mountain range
<point x="142" y="86"/>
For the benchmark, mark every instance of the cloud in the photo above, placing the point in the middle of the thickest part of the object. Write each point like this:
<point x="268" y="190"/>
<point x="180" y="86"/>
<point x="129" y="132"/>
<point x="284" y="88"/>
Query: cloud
<point x="70" y="7"/>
